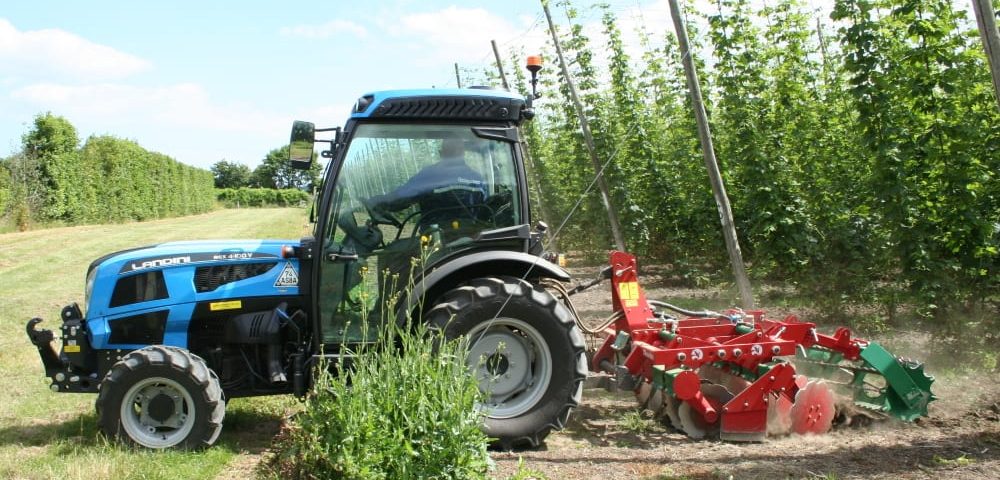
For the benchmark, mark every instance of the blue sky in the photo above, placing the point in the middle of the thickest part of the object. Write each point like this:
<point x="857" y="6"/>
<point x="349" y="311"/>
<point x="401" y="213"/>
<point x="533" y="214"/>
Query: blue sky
<point x="205" y="81"/>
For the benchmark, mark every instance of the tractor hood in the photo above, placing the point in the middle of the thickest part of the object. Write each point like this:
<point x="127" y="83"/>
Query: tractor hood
<point x="190" y="252"/>
<point x="189" y="272"/>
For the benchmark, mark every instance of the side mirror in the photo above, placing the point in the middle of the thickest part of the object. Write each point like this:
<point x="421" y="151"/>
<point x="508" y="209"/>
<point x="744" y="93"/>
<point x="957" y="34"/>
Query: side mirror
<point x="300" y="147"/>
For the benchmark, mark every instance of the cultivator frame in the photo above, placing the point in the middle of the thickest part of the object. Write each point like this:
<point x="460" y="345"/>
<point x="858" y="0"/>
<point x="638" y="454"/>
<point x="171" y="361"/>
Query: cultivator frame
<point x="736" y="372"/>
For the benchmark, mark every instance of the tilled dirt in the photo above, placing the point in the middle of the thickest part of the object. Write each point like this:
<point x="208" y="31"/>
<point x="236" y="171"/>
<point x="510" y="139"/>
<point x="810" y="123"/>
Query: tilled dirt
<point x="959" y="440"/>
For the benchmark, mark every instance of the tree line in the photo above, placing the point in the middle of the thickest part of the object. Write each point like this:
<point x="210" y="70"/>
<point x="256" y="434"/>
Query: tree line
<point x="272" y="183"/>
<point x="274" y="172"/>
<point x="859" y="151"/>
<point x="107" y="179"/>
<point x="54" y="179"/>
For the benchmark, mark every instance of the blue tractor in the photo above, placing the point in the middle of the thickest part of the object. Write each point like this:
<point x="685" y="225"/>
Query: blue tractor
<point x="424" y="202"/>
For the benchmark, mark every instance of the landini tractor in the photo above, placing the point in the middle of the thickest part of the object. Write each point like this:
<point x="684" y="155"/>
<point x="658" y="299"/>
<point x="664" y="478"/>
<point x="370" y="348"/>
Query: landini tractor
<point x="168" y="333"/>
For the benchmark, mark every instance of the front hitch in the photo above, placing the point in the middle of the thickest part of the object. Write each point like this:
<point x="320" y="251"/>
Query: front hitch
<point x="74" y="368"/>
<point x="42" y="340"/>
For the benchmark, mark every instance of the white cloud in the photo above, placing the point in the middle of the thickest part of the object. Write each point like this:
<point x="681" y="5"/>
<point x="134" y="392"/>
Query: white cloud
<point x="325" y="30"/>
<point x="455" y="34"/>
<point x="53" y="51"/>
<point x="179" y="120"/>
<point x="184" y="104"/>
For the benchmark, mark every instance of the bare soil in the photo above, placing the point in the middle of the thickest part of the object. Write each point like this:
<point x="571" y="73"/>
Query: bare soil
<point x="959" y="440"/>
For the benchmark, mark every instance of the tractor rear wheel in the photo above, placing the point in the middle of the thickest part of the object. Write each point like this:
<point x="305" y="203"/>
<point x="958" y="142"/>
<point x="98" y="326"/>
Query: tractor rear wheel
<point x="161" y="397"/>
<point x="526" y="351"/>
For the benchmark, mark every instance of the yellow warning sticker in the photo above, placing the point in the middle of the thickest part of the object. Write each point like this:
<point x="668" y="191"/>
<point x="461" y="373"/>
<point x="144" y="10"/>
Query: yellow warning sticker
<point x="230" y="305"/>
<point x="628" y="292"/>
<point x="71" y="348"/>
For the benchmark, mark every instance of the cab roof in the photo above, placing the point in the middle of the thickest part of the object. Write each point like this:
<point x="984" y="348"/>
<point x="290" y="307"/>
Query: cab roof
<point x="480" y="104"/>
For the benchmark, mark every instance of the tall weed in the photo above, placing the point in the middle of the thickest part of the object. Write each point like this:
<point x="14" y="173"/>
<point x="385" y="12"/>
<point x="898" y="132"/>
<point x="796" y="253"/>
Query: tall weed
<point x="405" y="407"/>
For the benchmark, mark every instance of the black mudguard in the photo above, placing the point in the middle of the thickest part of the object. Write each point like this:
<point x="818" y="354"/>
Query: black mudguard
<point x="479" y="265"/>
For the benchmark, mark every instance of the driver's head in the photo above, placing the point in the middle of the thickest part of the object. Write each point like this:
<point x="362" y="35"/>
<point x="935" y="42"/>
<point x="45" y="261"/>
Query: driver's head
<point x="452" y="149"/>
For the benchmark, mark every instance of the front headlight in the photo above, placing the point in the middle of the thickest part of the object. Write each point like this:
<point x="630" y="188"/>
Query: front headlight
<point x="89" y="288"/>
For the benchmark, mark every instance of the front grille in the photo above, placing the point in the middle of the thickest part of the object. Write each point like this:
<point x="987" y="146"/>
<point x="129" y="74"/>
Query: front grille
<point x="207" y="279"/>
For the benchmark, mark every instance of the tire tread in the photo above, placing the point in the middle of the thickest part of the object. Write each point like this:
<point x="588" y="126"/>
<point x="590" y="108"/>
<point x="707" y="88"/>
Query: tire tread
<point x="481" y="289"/>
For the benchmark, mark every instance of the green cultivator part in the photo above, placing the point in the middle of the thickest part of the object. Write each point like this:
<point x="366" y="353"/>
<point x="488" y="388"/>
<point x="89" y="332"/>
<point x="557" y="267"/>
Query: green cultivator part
<point x="743" y="376"/>
<point x="878" y="381"/>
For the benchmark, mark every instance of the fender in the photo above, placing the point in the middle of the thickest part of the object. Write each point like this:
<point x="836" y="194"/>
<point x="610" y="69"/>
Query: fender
<point x="481" y="264"/>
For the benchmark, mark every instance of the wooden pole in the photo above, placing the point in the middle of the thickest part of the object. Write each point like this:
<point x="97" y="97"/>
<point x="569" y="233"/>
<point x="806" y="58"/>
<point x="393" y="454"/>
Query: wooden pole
<point x="536" y="181"/>
<point x="711" y="164"/>
<point x="986" y="19"/>
<point x="458" y="79"/>
<point x="616" y="229"/>
<point x="822" y="42"/>
<point x="503" y="76"/>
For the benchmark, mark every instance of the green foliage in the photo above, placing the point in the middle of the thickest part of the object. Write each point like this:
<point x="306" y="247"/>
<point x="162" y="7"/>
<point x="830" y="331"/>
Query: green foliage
<point x="230" y="174"/>
<point x="405" y="409"/>
<point x="261" y="197"/>
<point x="277" y="172"/>
<point x="108" y="179"/>
<point x="5" y="188"/>
<point x="637" y="421"/>
<point x="126" y="182"/>
<point x="916" y="81"/>
<point x="525" y="473"/>
<point x="861" y="163"/>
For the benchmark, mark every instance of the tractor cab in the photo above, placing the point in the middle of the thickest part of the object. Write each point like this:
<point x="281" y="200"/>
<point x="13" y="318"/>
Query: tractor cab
<point x="417" y="179"/>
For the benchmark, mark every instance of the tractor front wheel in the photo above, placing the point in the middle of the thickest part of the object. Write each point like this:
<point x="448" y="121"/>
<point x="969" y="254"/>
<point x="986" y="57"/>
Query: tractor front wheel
<point x="161" y="397"/>
<point x="525" y="350"/>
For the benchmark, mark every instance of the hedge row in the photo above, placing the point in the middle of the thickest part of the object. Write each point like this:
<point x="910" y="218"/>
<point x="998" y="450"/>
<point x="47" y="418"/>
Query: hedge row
<point x="115" y="180"/>
<point x="261" y="197"/>
<point x="107" y="180"/>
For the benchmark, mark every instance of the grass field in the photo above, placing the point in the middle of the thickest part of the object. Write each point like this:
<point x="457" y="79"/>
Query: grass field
<point x="49" y="435"/>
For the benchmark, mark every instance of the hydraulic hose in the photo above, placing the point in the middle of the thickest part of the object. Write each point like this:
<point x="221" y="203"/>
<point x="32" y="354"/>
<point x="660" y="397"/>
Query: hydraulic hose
<point x="682" y="311"/>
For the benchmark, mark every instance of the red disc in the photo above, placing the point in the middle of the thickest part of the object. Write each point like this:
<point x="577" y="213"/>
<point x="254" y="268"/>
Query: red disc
<point x="813" y="409"/>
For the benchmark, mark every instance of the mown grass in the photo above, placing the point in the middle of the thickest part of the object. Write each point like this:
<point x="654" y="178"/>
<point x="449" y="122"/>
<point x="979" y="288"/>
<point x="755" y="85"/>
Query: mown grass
<point x="49" y="435"/>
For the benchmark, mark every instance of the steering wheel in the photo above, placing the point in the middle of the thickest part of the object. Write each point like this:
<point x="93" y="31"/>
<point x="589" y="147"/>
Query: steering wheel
<point x="364" y="239"/>
<point x="377" y="215"/>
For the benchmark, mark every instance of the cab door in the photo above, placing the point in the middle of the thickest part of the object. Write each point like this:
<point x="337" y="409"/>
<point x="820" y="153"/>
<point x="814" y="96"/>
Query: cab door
<point x="371" y="251"/>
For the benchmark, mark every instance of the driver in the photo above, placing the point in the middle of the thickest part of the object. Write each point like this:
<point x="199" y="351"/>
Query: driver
<point x="444" y="191"/>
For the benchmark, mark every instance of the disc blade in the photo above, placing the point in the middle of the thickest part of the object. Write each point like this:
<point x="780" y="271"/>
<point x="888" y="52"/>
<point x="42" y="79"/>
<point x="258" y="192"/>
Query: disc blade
<point x="692" y="422"/>
<point x="642" y="394"/>
<point x="655" y="402"/>
<point x="671" y="409"/>
<point x="813" y="409"/>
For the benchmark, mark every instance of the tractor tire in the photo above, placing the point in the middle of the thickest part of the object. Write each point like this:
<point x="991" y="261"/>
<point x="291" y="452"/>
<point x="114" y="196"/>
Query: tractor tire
<point x="161" y="397"/>
<point x="526" y="350"/>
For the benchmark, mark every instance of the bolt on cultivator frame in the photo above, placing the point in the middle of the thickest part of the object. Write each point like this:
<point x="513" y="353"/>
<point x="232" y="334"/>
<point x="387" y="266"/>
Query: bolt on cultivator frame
<point x="743" y="376"/>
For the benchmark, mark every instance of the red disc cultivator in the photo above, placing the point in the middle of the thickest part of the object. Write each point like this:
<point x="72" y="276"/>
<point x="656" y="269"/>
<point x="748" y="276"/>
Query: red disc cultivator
<point x="742" y="376"/>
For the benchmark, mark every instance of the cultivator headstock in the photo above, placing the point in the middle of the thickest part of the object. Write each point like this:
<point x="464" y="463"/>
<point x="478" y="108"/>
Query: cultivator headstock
<point x="743" y="376"/>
